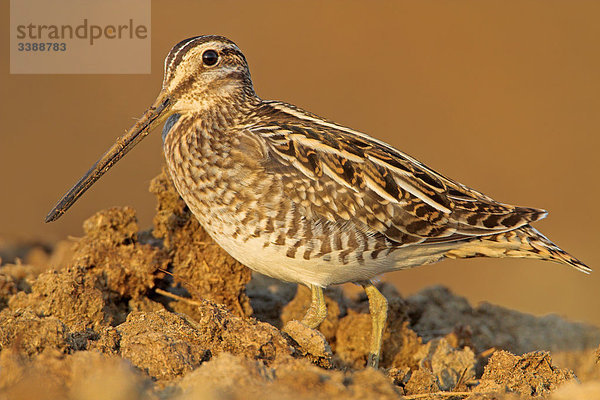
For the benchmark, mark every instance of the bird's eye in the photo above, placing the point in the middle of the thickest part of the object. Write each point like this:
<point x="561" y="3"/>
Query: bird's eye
<point x="210" y="57"/>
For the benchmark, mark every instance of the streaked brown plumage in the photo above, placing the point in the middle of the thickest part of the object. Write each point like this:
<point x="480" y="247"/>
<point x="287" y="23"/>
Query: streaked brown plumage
<point x="303" y="199"/>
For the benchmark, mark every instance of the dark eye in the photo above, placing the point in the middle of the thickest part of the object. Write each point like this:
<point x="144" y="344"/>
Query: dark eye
<point x="210" y="57"/>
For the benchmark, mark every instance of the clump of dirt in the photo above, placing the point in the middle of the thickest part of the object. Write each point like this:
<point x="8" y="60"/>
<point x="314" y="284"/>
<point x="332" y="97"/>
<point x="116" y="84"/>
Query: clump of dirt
<point x="310" y="343"/>
<point x="155" y="340"/>
<point x="165" y="313"/>
<point x="31" y="334"/>
<point x="531" y="374"/>
<point x="109" y="274"/>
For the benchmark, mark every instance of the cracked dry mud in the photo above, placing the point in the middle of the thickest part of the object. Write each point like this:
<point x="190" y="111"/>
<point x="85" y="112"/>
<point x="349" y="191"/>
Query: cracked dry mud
<point x="166" y="314"/>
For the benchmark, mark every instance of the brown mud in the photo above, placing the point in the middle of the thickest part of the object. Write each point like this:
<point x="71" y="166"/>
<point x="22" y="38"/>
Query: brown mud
<point x="166" y="314"/>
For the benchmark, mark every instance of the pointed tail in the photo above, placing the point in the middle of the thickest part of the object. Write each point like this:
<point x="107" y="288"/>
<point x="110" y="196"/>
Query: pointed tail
<point x="523" y="242"/>
<point x="547" y="250"/>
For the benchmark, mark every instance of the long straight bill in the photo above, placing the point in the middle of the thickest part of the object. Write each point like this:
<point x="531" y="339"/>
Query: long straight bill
<point x="152" y="117"/>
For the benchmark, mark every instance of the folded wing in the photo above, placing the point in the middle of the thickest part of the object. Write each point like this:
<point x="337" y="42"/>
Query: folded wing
<point x="355" y="177"/>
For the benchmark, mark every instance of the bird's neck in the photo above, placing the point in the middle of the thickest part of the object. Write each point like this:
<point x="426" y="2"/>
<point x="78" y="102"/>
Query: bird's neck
<point x="219" y="110"/>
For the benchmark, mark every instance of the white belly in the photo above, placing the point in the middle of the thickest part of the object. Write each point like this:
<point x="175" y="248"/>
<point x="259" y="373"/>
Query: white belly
<point x="321" y="271"/>
<point x="273" y="261"/>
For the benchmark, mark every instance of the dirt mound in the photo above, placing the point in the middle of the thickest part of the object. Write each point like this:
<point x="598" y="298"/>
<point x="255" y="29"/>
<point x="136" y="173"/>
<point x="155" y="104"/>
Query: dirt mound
<point x="165" y="313"/>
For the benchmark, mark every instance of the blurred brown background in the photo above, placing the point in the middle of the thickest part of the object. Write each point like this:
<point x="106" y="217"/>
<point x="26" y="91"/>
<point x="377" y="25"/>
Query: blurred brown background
<point x="502" y="96"/>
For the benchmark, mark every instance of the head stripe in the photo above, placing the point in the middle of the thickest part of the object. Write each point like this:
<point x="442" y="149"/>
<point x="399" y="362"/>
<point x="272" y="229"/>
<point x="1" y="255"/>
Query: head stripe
<point x="175" y="54"/>
<point x="180" y="49"/>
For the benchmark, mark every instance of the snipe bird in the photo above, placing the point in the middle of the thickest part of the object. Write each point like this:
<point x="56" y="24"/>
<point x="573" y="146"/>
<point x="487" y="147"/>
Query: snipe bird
<point x="303" y="199"/>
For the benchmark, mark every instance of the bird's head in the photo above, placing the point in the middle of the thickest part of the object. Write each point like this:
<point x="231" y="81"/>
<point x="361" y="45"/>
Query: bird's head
<point x="202" y="70"/>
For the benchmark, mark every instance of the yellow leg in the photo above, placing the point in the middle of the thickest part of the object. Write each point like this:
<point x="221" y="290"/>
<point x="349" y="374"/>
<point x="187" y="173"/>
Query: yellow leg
<point x="378" y="307"/>
<point x="317" y="311"/>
